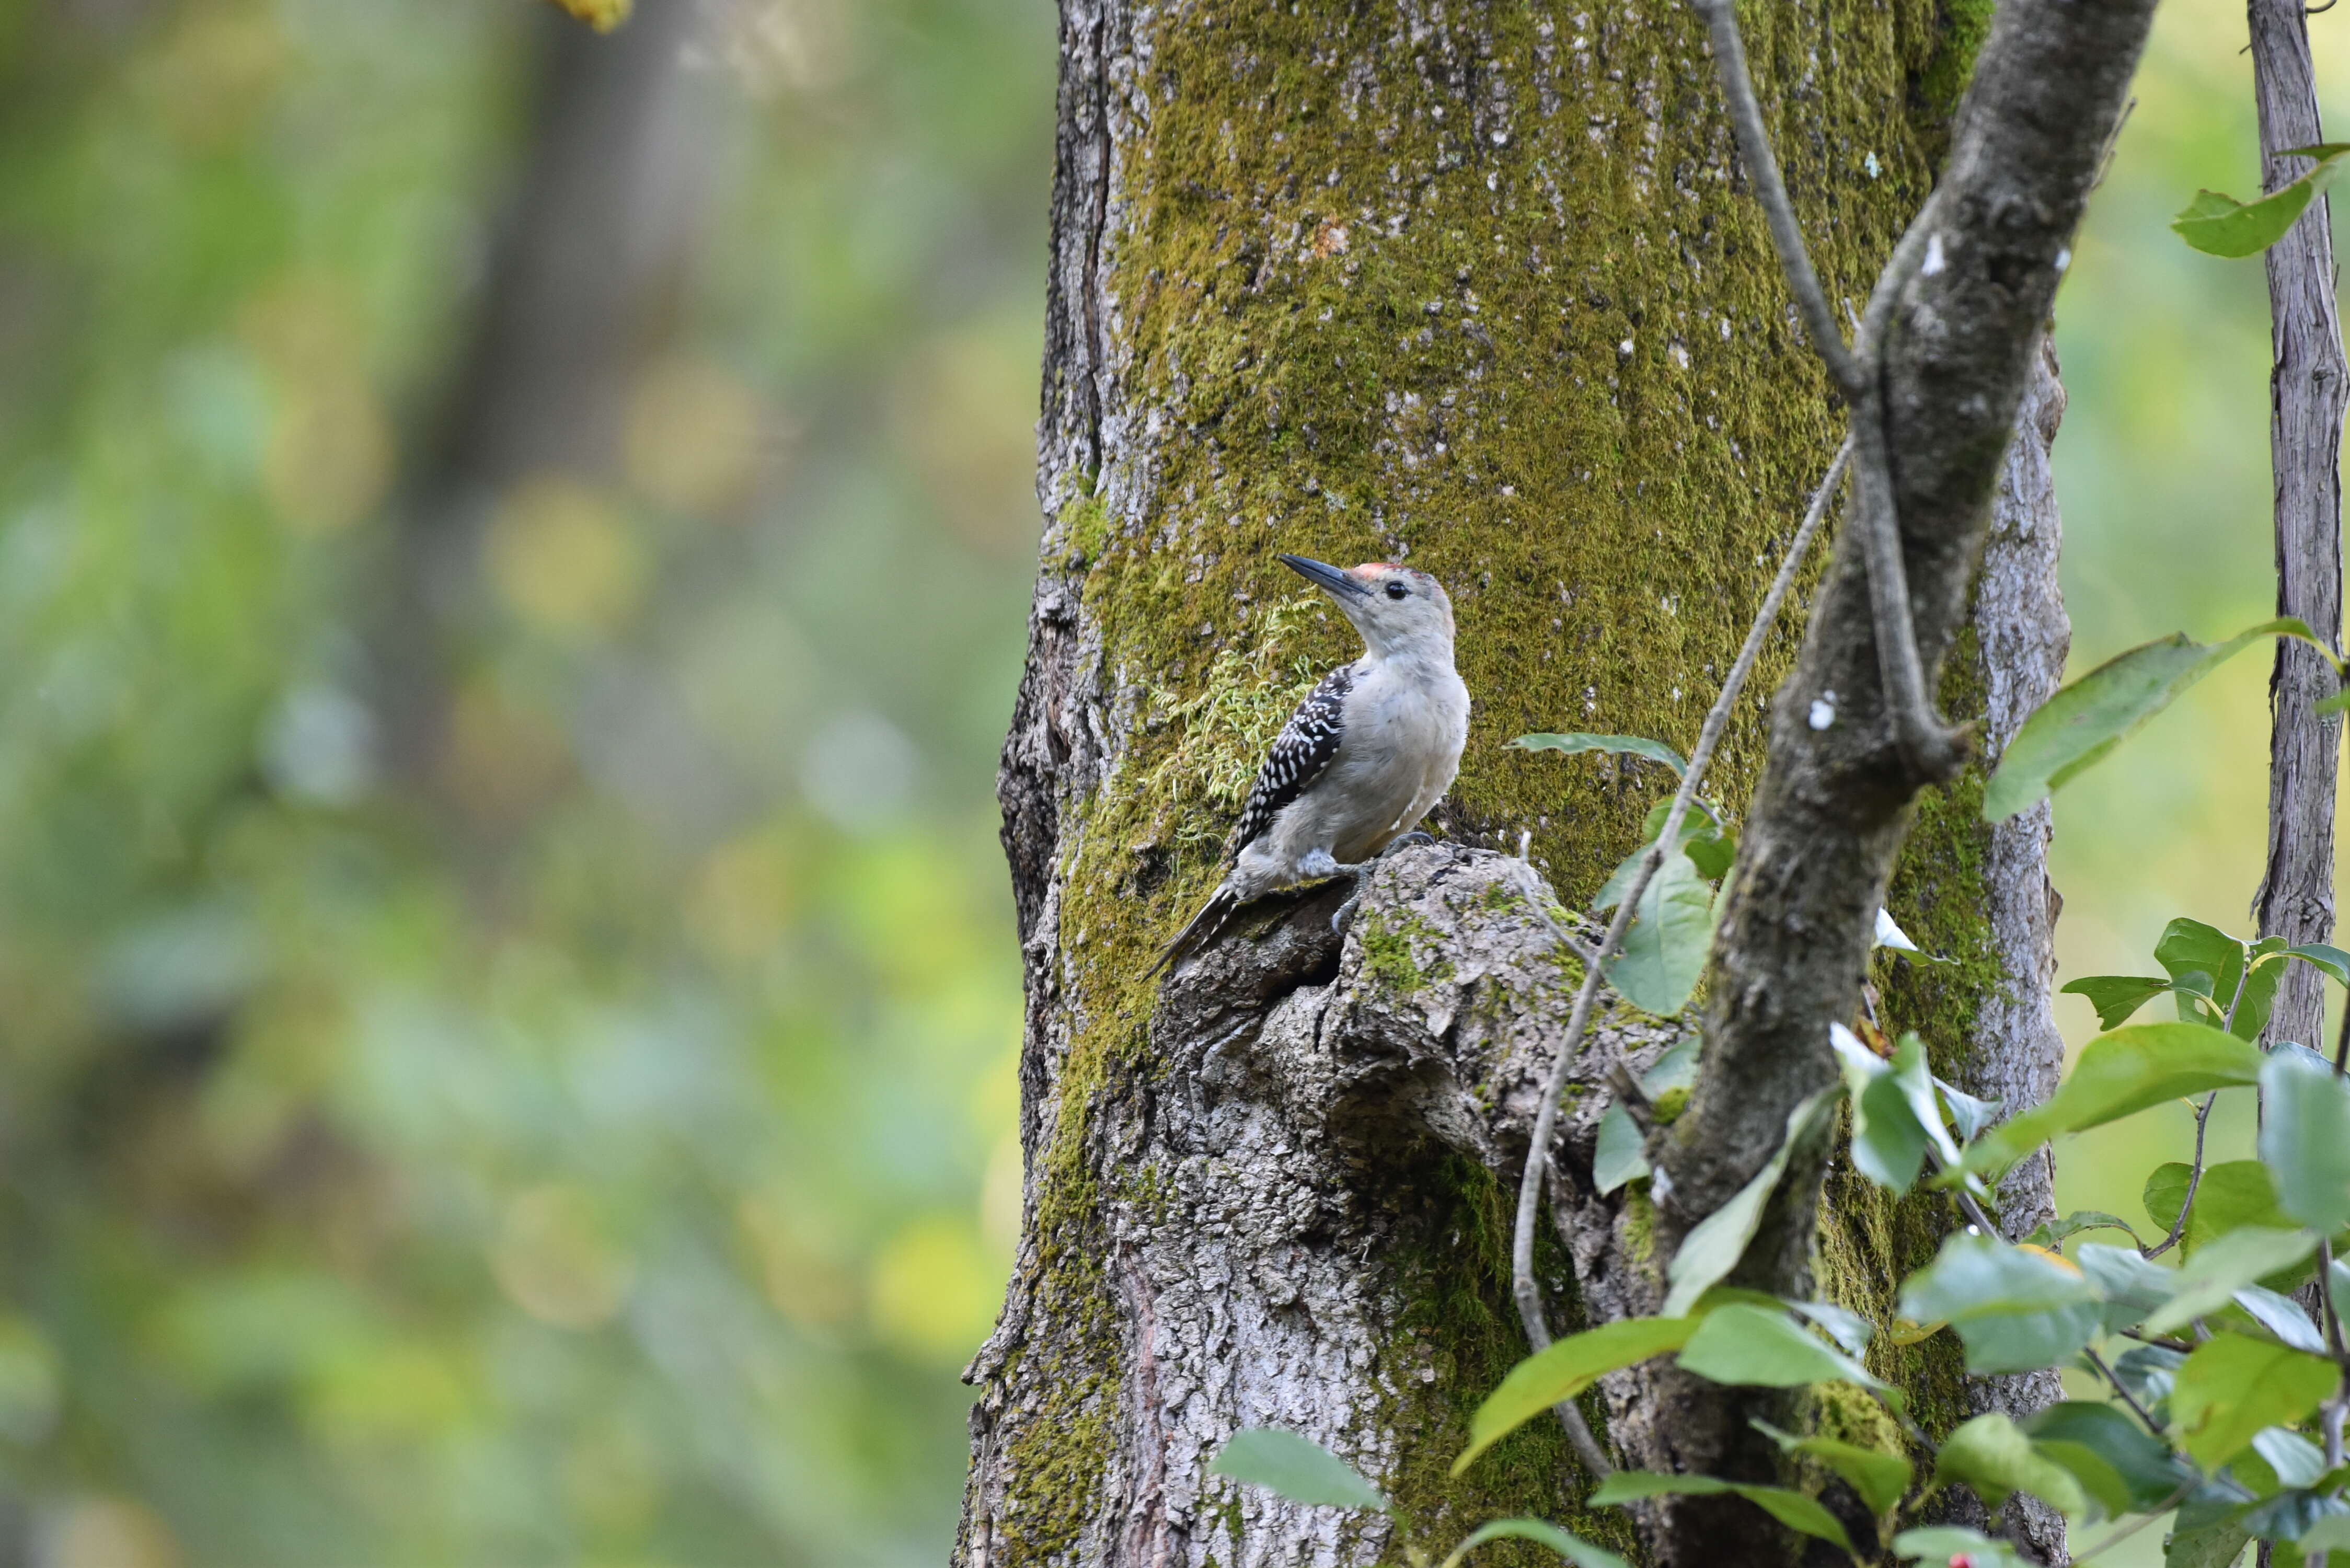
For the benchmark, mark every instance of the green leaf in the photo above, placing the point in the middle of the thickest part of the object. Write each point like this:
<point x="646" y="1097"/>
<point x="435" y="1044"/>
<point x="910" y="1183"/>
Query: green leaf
<point x="2232" y="1194"/>
<point x="2281" y="1317"/>
<point x="2131" y="1287"/>
<point x="1843" y="1325"/>
<point x="2205" y="1532"/>
<point x="2220" y="226"/>
<point x="1755" y="1347"/>
<point x="2149" y="1472"/>
<point x="1664" y="951"/>
<point x="2120" y="1074"/>
<point x="2188" y="949"/>
<point x="2211" y="1279"/>
<point x="1791" y="1509"/>
<point x="1878" y="1479"/>
<point x="1995" y="1457"/>
<point x="2331" y="1534"/>
<point x="1889" y="1144"/>
<point x="1714" y="1245"/>
<point x="2306" y="1137"/>
<point x="1566" y="1370"/>
<point x="2293" y="1459"/>
<point x="1627" y="745"/>
<point x="1582" y="1554"/>
<point x="2332" y="959"/>
<point x="2233" y="1384"/>
<point x="1699" y="839"/>
<point x="2096" y="714"/>
<point x="1969" y="1115"/>
<point x="2056" y="1232"/>
<point x="2115" y="996"/>
<point x="1621" y="1155"/>
<point x="1299" y="1470"/>
<point x="1942" y="1543"/>
<point x="2014" y="1309"/>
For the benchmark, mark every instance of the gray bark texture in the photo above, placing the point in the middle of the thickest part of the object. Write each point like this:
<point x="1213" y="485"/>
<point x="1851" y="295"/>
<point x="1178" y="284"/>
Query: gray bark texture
<point x="1477" y="284"/>
<point x="2307" y="388"/>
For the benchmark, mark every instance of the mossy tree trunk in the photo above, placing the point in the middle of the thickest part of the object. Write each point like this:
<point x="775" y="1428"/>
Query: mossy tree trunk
<point x="1475" y="285"/>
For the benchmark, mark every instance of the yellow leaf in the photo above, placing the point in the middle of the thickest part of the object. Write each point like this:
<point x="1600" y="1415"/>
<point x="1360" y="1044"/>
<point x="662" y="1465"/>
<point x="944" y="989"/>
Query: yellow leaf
<point x="602" y="15"/>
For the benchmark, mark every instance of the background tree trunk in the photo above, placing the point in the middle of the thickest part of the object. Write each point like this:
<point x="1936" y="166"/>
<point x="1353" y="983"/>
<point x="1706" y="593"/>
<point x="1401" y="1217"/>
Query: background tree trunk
<point x="1477" y="286"/>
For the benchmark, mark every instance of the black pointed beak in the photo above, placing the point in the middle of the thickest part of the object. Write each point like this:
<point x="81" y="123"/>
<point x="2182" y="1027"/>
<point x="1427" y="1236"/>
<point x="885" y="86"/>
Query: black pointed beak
<point x="1329" y="580"/>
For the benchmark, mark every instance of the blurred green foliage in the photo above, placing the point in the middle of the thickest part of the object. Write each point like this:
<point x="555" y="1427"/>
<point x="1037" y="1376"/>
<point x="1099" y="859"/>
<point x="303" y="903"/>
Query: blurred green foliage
<point x="595" y="1142"/>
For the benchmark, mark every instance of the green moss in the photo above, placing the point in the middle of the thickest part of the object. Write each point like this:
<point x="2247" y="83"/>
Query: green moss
<point x="1453" y="1271"/>
<point x="1538" y="349"/>
<point x="1639" y="1223"/>
<point x="1965" y="23"/>
<point x="1670" y="1104"/>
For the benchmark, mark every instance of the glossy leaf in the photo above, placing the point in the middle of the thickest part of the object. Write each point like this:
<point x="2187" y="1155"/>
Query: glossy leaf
<point x="2132" y="1287"/>
<point x="1665" y="950"/>
<point x="1995" y="1457"/>
<point x="1889" y="1144"/>
<point x="1580" y="1552"/>
<point x="1575" y="740"/>
<point x="1843" y="1325"/>
<point x="2304" y="1137"/>
<point x="2331" y="1534"/>
<point x="1757" y="1347"/>
<point x="2057" y="1231"/>
<point x="2092" y="715"/>
<point x="2231" y="1386"/>
<point x="2293" y="1459"/>
<point x="2211" y="1279"/>
<point x="2218" y="224"/>
<point x="1620" y="1155"/>
<point x="1298" y="1468"/>
<point x="2014" y="1309"/>
<point x="1968" y="1114"/>
<point x="2115" y="996"/>
<point x="2332" y="961"/>
<point x="1565" y="1370"/>
<point x="1791" y="1509"/>
<point x="2119" y="1074"/>
<point x="2149" y="1372"/>
<point x="1714" y="1245"/>
<point x="1878" y="1479"/>
<point x="2281" y="1317"/>
<point x="2149" y="1472"/>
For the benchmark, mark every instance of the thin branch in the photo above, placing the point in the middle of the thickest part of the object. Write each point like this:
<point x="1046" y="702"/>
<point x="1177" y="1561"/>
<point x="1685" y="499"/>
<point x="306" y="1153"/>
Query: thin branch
<point x="2325" y="1299"/>
<point x="1523" y="1285"/>
<point x="2128" y="1399"/>
<point x="1930" y="749"/>
<point x="1771" y="190"/>
<point x="2194" y="1181"/>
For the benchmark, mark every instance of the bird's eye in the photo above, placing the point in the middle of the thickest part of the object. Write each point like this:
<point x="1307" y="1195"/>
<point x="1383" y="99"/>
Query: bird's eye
<point x="1396" y="590"/>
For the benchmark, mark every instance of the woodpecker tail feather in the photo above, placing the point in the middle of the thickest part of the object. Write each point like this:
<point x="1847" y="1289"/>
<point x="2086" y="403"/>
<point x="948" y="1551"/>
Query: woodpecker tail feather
<point x="1205" y="927"/>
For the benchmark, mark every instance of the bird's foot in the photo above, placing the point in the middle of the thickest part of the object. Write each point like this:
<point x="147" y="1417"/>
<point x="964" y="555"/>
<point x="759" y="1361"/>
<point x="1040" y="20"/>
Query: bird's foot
<point x="1405" y="840"/>
<point x="1346" y="911"/>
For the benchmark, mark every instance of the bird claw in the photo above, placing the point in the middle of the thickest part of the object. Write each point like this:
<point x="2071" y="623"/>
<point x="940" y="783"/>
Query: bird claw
<point x="1346" y="911"/>
<point x="1402" y="840"/>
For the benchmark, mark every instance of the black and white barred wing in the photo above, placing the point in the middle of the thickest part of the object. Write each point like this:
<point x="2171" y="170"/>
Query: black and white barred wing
<point x="1299" y="755"/>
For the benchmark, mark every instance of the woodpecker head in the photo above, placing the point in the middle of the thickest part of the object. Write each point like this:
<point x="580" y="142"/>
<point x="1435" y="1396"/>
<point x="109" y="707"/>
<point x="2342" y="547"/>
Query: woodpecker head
<point x="1397" y="609"/>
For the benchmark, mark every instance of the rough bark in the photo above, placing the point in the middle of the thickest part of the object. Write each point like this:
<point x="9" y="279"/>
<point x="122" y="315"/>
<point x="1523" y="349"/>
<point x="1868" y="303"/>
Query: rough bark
<point x="1475" y="285"/>
<point x="2307" y="389"/>
<point x="1835" y="806"/>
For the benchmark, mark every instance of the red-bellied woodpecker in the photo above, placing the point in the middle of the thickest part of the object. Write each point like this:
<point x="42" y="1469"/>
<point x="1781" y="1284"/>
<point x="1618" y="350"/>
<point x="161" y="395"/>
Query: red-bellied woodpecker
<point x="1365" y="756"/>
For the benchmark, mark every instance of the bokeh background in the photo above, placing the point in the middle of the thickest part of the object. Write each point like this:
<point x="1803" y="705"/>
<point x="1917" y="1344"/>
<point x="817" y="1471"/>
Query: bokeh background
<point x="513" y="551"/>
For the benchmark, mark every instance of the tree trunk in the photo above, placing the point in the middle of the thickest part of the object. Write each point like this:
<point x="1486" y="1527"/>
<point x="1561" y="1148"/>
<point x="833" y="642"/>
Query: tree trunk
<point x="1476" y="284"/>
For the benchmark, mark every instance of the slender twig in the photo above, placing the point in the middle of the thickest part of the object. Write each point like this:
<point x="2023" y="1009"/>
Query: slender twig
<point x="1931" y="749"/>
<point x="2128" y="1399"/>
<point x="1771" y="190"/>
<point x="1523" y="1285"/>
<point x="2326" y="1297"/>
<point x="2127" y="1531"/>
<point x="2342" y="1042"/>
<point x="2194" y="1181"/>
